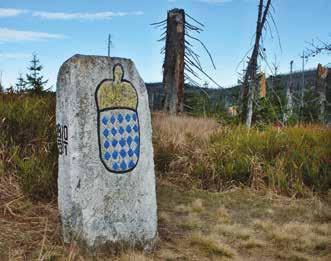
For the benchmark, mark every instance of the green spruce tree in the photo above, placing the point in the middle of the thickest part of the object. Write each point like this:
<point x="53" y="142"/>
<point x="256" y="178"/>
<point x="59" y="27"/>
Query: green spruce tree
<point x="1" y="86"/>
<point x="21" y="84"/>
<point x="34" y="79"/>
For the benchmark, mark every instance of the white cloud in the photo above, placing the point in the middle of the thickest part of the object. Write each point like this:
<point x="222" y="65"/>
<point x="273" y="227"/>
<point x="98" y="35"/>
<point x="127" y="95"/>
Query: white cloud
<point x="83" y="16"/>
<point x="214" y="1"/>
<point x="10" y="35"/>
<point x="11" y="56"/>
<point x="207" y="1"/>
<point x="9" y="12"/>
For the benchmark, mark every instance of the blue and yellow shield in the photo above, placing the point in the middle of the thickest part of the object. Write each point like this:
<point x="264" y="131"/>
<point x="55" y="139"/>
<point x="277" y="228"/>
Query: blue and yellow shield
<point x="118" y="123"/>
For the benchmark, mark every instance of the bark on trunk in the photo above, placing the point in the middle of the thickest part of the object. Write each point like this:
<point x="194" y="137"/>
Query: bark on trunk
<point x="173" y="67"/>
<point x="289" y="100"/>
<point x="250" y="102"/>
<point x="321" y="85"/>
<point x="251" y="71"/>
<point x="252" y="63"/>
<point x="289" y="104"/>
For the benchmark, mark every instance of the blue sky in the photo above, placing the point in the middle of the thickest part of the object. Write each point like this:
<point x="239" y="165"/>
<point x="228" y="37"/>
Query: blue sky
<point x="58" y="29"/>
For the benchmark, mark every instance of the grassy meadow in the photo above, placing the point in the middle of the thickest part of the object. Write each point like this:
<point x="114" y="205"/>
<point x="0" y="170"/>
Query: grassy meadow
<point x="224" y="192"/>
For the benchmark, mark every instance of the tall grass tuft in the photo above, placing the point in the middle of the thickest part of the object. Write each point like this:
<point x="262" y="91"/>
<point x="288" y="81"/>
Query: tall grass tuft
<point x="189" y="151"/>
<point x="199" y="152"/>
<point x="27" y="138"/>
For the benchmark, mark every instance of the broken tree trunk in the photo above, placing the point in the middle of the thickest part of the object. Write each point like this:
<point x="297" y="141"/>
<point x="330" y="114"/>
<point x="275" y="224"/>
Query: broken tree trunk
<point x="322" y="73"/>
<point x="252" y="63"/>
<point x="173" y="67"/>
<point x="250" y="102"/>
<point x="245" y="104"/>
<point x="289" y="99"/>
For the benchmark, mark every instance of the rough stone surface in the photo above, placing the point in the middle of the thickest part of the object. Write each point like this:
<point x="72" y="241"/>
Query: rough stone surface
<point x="100" y="202"/>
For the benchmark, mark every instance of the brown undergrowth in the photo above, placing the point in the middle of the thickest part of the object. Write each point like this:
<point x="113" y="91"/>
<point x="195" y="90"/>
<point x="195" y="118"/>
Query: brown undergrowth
<point x="201" y="153"/>
<point x="196" y="158"/>
<point x="27" y="229"/>
<point x="239" y="224"/>
<point x="190" y="151"/>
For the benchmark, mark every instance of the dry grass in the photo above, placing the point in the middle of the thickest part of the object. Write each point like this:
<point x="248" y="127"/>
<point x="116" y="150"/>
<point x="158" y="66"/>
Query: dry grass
<point x="197" y="205"/>
<point x="238" y="223"/>
<point x="28" y="229"/>
<point x="201" y="153"/>
<point x="192" y="222"/>
<point x="178" y="129"/>
<point x="294" y="229"/>
<point x="179" y="142"/>
<point x="253" y="243"/>
<point x="211" y="245"/>
<point x="193" y="225"/>
<point x="133" y="256"/>
<point x="301" y="236"/>
<point x="223" y="215"/>
<point x="234" y="230"/>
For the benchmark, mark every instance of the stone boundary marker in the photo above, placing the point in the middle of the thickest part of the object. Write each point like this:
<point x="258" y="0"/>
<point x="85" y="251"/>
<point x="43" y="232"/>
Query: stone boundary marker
<point x="106" y="169"/>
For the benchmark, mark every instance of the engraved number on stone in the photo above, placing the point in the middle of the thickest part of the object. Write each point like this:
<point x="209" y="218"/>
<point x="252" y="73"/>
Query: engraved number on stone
<point x="62" y="138"/>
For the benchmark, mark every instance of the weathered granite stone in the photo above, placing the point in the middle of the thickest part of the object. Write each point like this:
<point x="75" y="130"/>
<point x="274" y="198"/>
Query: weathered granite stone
<point x="106" y="169"/>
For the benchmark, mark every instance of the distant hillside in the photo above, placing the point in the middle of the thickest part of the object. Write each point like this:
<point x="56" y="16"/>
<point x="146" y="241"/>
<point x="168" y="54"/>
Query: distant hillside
<point x="228" y="96"/>
<point x="215" y="95"/>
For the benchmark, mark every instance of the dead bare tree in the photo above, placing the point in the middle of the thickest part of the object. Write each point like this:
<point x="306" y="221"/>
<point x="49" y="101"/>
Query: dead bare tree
<point x="181" y="62"/>
<point x="289" y="96"/>
<point x="321" y="86"/>
<point x="317" y="48"/>
<point x="173" y="67"/>
<point x="250" y="82"/>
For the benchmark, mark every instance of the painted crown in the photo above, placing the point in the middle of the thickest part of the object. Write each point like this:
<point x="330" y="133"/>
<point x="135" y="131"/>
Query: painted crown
<point x="116" y="93"/>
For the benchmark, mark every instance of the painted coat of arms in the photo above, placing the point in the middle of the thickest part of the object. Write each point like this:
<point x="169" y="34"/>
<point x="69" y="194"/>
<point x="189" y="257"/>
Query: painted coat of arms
<point x="118" y="123"/>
